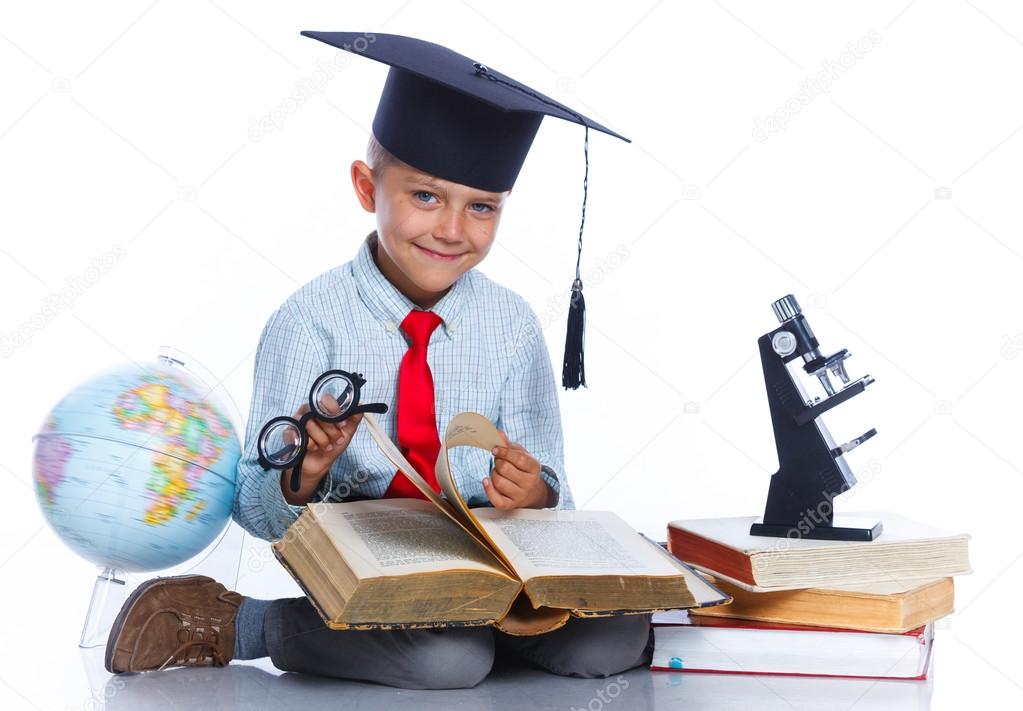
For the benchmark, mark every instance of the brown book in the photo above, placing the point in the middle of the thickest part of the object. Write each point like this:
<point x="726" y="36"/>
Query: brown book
<point x="882" y="607"/>
<point x="399" y="563"/>
<point x="906" y="551"/>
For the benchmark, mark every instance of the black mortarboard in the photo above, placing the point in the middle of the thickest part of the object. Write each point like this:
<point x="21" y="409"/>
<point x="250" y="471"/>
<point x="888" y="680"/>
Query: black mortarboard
<point x="455" y="118"/>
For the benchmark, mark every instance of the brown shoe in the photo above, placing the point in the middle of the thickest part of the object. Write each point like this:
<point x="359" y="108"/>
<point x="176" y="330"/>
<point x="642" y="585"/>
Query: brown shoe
<point x="183" y="620"/>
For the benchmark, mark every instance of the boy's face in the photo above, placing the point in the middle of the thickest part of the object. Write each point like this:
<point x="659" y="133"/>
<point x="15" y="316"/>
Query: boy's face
<point x="430" y="230"/>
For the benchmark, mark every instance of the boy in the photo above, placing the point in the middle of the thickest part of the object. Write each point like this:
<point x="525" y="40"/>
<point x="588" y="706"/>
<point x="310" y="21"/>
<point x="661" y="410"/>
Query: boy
<point x="429" y="333"/>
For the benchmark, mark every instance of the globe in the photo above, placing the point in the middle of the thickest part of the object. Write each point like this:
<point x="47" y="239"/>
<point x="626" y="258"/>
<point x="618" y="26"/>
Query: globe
<point x="135" y="468"/>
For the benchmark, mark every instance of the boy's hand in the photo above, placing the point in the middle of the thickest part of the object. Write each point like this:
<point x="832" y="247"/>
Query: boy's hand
<point x="514" y="482"/>
<point x="327" y="442"/>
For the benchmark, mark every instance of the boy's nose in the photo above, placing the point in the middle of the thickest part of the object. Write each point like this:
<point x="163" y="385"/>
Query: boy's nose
<point x="449" y="228"/>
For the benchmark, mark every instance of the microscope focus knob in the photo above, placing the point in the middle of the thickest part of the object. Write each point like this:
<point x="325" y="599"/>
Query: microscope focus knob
<point x="784" y="343"/>
<point x="786" y="308"/>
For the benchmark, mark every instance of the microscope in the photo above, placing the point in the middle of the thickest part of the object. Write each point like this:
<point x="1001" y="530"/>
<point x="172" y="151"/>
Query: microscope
<point x="812" y="469"/>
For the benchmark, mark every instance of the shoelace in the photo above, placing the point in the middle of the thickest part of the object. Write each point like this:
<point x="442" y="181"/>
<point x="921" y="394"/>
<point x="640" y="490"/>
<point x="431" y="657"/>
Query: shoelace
<point x="205" y="648"/>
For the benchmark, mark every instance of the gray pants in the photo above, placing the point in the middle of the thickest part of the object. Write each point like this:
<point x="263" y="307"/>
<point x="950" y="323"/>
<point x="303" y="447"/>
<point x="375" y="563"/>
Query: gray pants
<point x="451" y="658"/>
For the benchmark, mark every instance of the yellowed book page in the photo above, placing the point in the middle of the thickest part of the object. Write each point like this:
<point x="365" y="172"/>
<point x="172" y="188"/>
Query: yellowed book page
<point x="394" y="537"/>
<point x="904" y="582"/>
<point x="466" y="429"/>
<point x="734" y="533"/>
<point x="399" y="461"/>
<point x="391" y="451"/>
<point x="544" y="542"/>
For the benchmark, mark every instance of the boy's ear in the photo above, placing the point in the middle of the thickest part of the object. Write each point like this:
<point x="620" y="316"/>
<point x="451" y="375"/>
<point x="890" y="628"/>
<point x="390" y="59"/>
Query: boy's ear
<point x="365" y="189"/>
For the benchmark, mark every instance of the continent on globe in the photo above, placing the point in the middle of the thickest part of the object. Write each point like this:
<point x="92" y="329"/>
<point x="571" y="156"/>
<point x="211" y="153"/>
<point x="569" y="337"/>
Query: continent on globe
<point x="51" y="462"/>
<point x="135" y="468"/>
<point x="192" y="435"/>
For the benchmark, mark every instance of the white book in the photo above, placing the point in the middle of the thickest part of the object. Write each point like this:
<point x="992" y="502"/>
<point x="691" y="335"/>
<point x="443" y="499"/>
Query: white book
<point x="722" y="645"/>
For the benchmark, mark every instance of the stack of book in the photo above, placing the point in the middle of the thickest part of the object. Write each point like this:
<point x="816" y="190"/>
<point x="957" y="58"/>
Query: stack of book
<point x="812" y="608"/>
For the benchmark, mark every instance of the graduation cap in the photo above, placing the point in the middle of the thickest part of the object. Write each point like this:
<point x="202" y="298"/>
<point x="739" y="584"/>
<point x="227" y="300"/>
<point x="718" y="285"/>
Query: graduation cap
<point x="456" y="118"/>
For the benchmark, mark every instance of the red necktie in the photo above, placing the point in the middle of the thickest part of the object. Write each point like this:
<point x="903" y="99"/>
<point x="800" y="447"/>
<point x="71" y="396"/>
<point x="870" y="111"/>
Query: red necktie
<point x="417" y="420"/>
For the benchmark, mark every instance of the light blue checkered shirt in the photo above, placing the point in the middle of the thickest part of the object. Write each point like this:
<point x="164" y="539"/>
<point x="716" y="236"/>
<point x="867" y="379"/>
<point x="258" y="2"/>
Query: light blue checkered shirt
<point x="489" y="356"/>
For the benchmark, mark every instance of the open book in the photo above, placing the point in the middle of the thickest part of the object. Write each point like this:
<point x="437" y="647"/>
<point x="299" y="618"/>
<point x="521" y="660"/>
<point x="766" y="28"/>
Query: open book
<point x="399" y="563"/>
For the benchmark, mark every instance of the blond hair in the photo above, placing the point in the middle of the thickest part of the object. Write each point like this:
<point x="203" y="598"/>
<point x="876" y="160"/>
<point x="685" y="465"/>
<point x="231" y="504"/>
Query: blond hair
<point x="378" y="157"/>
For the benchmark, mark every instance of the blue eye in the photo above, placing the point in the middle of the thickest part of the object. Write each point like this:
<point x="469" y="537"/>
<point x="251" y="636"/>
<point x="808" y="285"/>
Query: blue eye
<point x="485" y="206"/>
<point x="419" y="196"/>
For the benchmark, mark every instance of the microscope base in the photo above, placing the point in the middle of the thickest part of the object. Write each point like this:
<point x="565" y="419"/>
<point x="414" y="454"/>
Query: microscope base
<point x="844" y="529"/>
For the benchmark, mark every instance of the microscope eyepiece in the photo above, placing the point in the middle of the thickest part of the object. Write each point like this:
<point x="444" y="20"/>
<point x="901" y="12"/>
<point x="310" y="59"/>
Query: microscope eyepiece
<point x="786" y="308"/>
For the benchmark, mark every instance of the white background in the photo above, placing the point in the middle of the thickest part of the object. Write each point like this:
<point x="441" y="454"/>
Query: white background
<point x="888" y="206"/>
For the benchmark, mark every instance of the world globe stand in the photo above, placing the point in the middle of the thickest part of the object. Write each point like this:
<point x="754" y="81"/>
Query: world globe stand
<point x="221" y="560"/>
<point x="108" y="595"/>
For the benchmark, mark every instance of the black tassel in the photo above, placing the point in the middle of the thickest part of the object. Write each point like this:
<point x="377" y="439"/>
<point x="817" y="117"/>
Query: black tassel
<point x="573" y="372"/>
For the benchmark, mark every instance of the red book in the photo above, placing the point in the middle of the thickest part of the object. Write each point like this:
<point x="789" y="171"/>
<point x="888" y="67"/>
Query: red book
<point x="906" y="550"/>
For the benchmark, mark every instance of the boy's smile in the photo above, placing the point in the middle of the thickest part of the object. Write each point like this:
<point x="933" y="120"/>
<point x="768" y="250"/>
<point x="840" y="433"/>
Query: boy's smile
<point x="439" y="256"/>
<point x="430" y="231"/>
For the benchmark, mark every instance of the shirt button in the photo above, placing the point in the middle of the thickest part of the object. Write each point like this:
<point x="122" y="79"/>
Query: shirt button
<point x="451" y="328"/>
<point x="391" y="326"/>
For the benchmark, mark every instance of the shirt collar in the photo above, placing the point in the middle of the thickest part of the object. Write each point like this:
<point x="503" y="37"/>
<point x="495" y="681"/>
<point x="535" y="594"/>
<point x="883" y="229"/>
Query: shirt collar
<point x="388" y="304"/>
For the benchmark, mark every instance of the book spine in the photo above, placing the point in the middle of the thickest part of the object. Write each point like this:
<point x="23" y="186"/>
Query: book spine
<point x="920" y="677"/>
<point x="697" y="550"/>
<point x="741" y="624"/>
<point x="316" y="605"/>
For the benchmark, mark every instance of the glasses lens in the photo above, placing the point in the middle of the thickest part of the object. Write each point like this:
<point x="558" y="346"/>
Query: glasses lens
<point x="333" y="396"/>
<point x="280" y="444"/>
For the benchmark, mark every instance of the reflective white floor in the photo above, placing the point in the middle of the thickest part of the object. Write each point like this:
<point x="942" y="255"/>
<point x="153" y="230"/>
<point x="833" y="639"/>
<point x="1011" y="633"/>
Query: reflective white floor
<point x="257" y="685"/>
<point x="42" y="668"/>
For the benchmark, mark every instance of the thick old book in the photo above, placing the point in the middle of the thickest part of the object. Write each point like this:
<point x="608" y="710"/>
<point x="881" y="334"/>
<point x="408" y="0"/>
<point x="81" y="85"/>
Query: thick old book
<point x="688" y="643"/>
<point x="906" y="551"/>
<point x="889" y="607"/>
<point x="400" y="563"/>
